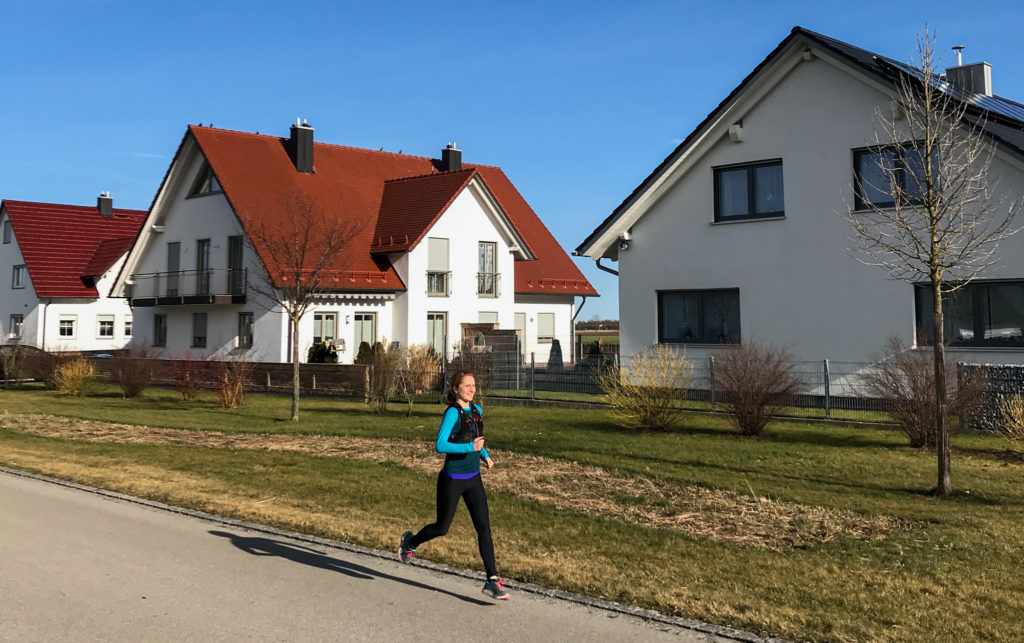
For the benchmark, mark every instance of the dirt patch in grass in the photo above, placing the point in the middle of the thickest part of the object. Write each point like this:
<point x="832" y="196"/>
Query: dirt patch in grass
<point x="750" y="520"/>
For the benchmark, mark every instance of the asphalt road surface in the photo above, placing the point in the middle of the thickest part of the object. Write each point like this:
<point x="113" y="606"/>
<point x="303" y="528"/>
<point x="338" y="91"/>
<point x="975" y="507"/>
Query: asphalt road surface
<point x="78" y="566"/>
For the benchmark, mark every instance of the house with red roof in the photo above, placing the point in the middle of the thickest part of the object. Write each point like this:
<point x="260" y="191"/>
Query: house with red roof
<point x="434" y="245"/>
<point x="61" y="261"/>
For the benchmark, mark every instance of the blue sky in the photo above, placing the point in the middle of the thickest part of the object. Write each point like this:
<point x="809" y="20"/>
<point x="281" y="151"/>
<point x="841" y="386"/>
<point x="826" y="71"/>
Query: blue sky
<point x="576" y="101"/>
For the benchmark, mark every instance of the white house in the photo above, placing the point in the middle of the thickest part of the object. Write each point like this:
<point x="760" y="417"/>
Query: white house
<point x="59" y="263"/>
<point x="437" y="244"/>
<point x="739" y="234"/>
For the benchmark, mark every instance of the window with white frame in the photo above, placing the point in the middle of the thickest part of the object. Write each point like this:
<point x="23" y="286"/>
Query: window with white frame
<point x="18" y="277"/>
<point x="749" y="191"/>
<point x="437" y="332"/>
<point x="159" y="330"/>
<point x="198" y="330"/>
<point x="545" y="328"/>
<point x="365" y="329"/>
<point x="128" y="326"/>
<point x="105" y="326"/>
<point x="244" y="330"/>
<point x="438" y="273"/>
<point x="16" y="323"/>
<point x="66" y="326"/>
<point x="699" y="316"/>
<point x="7" y="231"/>
<point x="325" y="327"/>
<point x="487" y="276"/>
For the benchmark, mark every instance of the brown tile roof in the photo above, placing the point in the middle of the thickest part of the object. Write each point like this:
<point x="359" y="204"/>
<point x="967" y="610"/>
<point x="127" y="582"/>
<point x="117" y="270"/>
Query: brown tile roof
<point x="363" y="187"/>
<point x="59" y="241"/>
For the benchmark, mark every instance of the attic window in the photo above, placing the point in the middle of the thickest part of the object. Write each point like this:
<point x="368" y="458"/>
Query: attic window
<point x="206" y="182"/>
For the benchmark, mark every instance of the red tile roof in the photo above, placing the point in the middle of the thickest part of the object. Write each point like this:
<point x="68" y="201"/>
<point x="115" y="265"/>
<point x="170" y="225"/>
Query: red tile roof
<point x="59" y="242"/>
<point x="363" y="187"/>
<point x="107" y="253"/>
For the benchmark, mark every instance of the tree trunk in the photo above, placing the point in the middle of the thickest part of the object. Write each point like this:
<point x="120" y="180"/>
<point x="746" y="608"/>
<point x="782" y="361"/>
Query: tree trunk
<point x="944" y="486"/>
<point x="295" y="369"/>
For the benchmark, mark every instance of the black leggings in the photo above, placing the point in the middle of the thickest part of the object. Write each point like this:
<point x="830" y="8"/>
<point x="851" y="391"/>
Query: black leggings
<point x="448" y="493"/>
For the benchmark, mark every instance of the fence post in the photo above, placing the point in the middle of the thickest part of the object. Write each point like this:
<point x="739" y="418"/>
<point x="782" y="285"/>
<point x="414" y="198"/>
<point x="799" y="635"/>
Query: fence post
<point x="533" y="374"/>
<point x="828" y="391"/>
<point x="711" y="380"/>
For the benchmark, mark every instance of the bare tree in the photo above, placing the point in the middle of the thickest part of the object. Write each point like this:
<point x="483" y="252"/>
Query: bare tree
<point x="943" y="224"/>
<point x="300" y="245"/>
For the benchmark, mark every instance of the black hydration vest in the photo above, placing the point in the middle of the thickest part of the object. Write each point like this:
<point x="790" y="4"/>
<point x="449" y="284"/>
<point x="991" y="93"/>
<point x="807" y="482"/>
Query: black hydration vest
<point x="469" y="427"/>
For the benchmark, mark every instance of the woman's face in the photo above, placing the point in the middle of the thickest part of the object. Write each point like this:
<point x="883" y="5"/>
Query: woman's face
<point x="466" y="388"/>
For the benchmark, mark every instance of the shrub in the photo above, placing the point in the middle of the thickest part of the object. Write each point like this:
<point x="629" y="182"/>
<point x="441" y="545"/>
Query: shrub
<point x="188" y="375"/>
<point x="424" y="366"/>
<point x="1012" y="410"/>
<point x="13" y="364"/>
<point x="905" y="379"/>
<point x="232" y="377"/>
<point x="754" y="380"/>
<point x="42" y="366"/>
<point x="555" y="364"/>
<point x="76" y="377"/>
<point x="134" y="373"/>
<point x="646" y="395"/>
<point x="322" y="353"/>
<point x="384" y="369"/>
<point x="478" y="360"/>
<point x="365" y="354"/>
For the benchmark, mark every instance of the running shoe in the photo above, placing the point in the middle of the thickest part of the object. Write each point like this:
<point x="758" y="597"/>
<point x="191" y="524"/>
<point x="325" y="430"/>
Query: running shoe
<point x="406" y="551"/>
<point x="495" y="589"/>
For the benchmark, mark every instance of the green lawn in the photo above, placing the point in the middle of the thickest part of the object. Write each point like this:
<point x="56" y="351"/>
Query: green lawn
<point x="953" y="576"/>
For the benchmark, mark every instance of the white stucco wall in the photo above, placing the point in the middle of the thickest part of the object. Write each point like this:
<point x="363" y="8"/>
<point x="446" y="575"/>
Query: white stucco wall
<point x="799" y="286"/>
<point x="563" y="307"/>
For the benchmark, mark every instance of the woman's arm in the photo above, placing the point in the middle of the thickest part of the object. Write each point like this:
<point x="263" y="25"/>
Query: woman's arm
<point x="451" y="417"/>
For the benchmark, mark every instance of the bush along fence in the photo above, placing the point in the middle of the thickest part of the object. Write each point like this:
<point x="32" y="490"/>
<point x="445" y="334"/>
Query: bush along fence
<point x="1001" y="382"/>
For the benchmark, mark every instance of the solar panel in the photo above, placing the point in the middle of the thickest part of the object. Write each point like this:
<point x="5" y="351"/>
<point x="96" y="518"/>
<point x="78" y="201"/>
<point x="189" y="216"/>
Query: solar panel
<point x="994" y="104"/>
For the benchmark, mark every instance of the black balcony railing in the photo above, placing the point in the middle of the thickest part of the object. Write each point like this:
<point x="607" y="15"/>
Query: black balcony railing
<point x="487" y="284"/>
<point x="212" y="286"/>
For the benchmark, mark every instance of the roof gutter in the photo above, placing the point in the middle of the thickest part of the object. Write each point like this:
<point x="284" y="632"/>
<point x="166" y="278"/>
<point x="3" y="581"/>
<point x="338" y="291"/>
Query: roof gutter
<point x="605" y="268"/>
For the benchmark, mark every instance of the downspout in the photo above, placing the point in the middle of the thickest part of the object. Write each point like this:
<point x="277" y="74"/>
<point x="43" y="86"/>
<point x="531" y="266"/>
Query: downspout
<point x="605" y="268"/>
<point x="572" y="327"/>
<point x="45" y="307"/>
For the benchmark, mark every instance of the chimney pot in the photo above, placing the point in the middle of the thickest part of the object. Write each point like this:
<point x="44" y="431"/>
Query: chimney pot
<point x="105" y="204"/>
<point x="300" y="147"/>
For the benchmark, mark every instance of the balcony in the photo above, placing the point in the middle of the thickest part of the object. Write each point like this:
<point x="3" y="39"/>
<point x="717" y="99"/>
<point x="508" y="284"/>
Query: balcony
<point x="439" y="284"/>
<point x="220" y="286"/>
<point x="488" y="284"/>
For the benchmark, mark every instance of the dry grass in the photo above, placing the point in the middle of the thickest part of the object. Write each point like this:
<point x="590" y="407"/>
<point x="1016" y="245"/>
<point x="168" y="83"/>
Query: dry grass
<point x="727" y="516"/>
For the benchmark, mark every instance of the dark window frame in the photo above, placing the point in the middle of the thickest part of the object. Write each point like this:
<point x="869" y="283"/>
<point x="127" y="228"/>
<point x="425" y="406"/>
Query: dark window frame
<point x="975" y="292"/>
<point x="900" y="151"/>
<point x="159" y="330"/>
<point x="701" y="336"/>
<point x="17" y="323"/>
<point x="200" y="341"/>
<point x="8" y="231"/>
<point x="751" y="191"/>
<point x="206" y="183"/>
<point x="246" y="329"/>
<point x="20" y="270"/>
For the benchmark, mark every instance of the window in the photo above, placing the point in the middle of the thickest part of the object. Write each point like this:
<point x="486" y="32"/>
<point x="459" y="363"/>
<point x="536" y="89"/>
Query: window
<point x="875" y="169"/>
<point x="365" y="329"/>
<point x="66" y="326"/>
<point x="7" y="230"/>
<point x="437" y="332"/>
<point x="198" y="330"/>
<point x="127" y="326"/>
<point x="487" y="277"/>
<point x="437" y="268"/>
<point x="487" y="317"/>
<point x="173" y="267"/>
<point x="206" y="182"/>
<point x="18" y="277"/>
<point x="105" y="326"/>
<point x="983" y="313"/>
<point x="699" y="317"/>
<point x="520" y="325"/>
<point x="244" y="330"/>
<point x="545" y="328"/>
<point x="16" y="324"/>
<point x="236" y="274"/>
<point x="325" y="327"/>
<point x="202" y="266"/>
<point x="750" y="191"/>
<point x="159" y="330"/>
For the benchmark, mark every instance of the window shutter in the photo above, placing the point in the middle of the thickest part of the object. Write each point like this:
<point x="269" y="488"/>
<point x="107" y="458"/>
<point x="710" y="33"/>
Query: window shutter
<point x="545" y="324"/>
<point x="437" y="255"/>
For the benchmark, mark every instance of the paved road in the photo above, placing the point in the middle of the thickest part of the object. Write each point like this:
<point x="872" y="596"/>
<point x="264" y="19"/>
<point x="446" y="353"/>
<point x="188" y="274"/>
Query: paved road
<point x="77" y="566"/>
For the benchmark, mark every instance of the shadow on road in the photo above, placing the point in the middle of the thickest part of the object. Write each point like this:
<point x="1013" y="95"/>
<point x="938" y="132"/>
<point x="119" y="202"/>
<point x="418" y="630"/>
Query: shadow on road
<point x="308" y="556"/>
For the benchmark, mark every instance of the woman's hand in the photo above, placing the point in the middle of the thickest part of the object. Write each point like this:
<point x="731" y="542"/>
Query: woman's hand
<point x="488" y="463"/>
<point x="478" y="444"/>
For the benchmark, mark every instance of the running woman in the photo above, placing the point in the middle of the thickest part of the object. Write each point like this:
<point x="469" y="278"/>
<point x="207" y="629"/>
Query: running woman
<point x="461" y="440"/>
